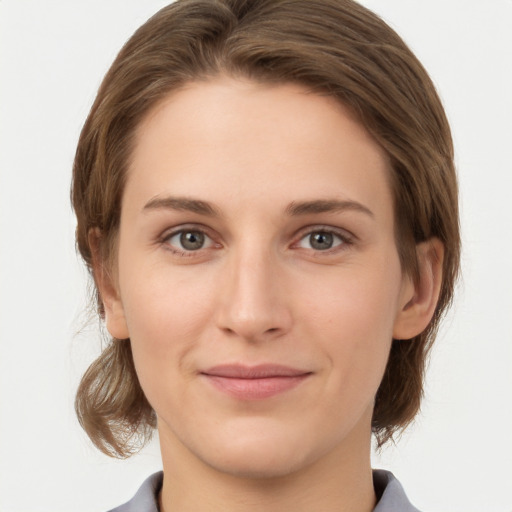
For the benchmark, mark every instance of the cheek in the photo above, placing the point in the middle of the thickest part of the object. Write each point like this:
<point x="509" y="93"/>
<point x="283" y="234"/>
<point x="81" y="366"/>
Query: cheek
<point x="167" y="313"/>
<point x="359" y="297"/>
<point x="352" y="313"/>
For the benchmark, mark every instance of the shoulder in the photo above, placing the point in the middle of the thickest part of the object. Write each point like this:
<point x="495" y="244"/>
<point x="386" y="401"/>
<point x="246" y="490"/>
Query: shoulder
<point x="390" y="494"/>
<point x="146" y="499"/>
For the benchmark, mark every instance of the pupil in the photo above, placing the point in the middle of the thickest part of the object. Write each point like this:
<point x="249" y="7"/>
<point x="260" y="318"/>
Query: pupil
<point x="321" y="241"/>
<point x="192" y="240"/>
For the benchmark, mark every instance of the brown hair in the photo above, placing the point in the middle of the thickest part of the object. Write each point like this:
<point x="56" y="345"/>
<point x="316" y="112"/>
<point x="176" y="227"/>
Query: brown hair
<point x="334" y="47"/>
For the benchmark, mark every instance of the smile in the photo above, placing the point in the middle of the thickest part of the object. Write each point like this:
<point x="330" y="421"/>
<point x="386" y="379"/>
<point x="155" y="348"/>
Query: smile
<point x="256" y="382"/>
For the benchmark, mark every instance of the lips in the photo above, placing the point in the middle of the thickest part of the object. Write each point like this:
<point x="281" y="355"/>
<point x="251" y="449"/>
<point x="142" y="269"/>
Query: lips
<point x="254" y="382"/>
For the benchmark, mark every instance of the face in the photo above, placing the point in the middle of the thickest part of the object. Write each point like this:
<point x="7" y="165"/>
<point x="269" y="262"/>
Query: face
<point x="258" y="277"/>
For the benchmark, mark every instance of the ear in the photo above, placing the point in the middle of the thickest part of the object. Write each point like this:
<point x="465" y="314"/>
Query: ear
<point x="106" y="284"/>
<point x="418" y="300"/>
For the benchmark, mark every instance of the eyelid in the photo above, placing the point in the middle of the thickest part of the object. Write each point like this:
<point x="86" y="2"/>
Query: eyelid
<point x="347" y="237"/>
<point x="164" y="238"/>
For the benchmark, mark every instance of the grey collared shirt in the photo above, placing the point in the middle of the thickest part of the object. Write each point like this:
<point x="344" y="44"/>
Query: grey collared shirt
<point x="389" y="492"/>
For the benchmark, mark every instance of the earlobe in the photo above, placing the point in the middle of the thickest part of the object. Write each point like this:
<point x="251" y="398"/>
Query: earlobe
<point x="419" y="299"/>
<point x="115" y="320"/>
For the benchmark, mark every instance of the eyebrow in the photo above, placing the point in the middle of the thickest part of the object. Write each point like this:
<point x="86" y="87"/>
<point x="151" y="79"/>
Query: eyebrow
<point x="181" y="204"/>
<point x="294" y="209"/>
<point x="326" y="206"/>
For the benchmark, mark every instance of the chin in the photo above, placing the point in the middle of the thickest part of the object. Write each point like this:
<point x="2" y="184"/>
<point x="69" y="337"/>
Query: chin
<point x="258" y="457"/>
<point x="261" y="467"/>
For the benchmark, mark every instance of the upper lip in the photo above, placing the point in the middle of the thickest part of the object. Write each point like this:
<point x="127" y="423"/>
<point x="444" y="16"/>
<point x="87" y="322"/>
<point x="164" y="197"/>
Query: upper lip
<point x="261" y="371"/>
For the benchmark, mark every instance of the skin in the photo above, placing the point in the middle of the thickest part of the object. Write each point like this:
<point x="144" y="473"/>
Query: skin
<point x="260" y="291"/>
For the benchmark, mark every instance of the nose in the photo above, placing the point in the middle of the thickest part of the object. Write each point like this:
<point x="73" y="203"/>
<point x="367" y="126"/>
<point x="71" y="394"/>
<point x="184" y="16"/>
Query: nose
<point x="254" y="304"/>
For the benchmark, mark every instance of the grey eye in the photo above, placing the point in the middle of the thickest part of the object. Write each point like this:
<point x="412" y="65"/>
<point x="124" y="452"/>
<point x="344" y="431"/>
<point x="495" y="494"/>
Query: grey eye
<point x="321" y="240"/>
<point x="189" y="240"/>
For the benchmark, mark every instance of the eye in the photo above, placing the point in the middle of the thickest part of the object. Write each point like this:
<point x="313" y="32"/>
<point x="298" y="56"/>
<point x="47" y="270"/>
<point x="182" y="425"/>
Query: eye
<point x="187" y="240"/>
<point x="321" y="240"/>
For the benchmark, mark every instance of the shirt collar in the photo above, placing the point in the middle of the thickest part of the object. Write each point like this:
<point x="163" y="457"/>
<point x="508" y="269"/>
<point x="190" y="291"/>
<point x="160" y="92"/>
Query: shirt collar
<point x="390" y="494"/>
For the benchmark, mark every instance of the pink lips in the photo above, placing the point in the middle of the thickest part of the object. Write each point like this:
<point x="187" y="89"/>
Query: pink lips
<point x="254" y="382"/>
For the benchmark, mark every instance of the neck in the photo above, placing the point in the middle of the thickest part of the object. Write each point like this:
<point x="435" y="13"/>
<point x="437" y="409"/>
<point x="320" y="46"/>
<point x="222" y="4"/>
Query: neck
<point x="341" y="481"/>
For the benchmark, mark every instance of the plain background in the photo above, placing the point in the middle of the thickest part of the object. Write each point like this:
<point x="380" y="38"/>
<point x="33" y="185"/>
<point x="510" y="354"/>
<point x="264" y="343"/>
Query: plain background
<point x="53" y="54"/>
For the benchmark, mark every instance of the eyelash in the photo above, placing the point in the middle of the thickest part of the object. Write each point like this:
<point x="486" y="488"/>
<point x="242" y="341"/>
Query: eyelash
<point x="346" y="240"/>
<point x="164" y="240"/>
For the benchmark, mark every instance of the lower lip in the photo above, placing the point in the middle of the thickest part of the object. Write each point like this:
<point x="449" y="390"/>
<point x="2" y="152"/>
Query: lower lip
<point x="255" y="389"/>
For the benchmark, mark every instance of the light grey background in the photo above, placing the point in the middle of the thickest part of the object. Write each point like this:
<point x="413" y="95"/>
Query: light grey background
<point x="53" y="54"/>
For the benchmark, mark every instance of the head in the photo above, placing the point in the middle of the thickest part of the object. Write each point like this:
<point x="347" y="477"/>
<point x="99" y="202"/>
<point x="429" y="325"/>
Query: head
<point x="332" y="49"/>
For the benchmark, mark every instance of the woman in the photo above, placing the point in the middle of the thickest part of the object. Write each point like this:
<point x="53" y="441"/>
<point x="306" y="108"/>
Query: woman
<point x="267" y="202"/>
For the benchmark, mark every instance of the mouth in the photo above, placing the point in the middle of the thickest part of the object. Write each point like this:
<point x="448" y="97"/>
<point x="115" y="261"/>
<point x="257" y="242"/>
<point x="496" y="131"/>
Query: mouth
<point x="254" y="382"/>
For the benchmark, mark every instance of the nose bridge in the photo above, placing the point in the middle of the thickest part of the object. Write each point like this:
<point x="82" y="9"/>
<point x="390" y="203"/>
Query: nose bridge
<point x="253" y="305"/>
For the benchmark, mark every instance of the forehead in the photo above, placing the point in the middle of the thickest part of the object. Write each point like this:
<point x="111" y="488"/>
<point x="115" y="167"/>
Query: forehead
<point x="239" y="141"/>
